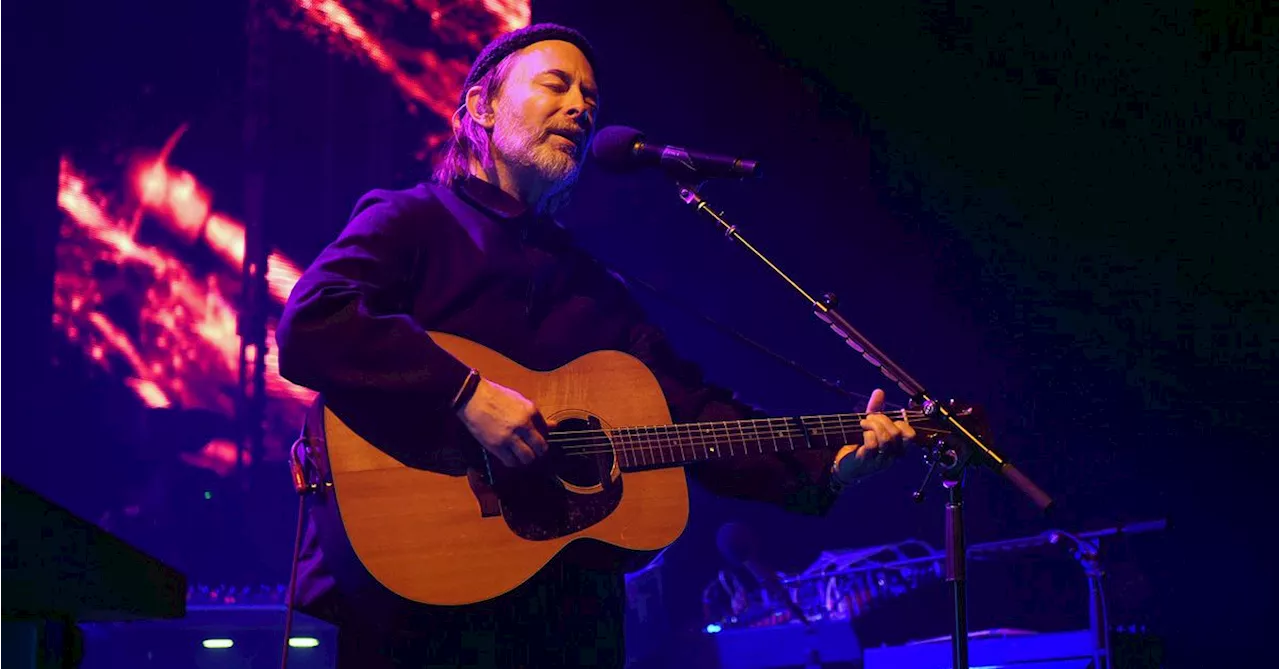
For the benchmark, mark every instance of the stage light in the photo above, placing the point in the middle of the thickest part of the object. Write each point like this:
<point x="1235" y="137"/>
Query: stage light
<point x="217" y="643"/>
<point x="303" y="642"/>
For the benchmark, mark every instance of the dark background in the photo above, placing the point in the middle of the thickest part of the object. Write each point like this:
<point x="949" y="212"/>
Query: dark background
<point x="1064" y="215"/>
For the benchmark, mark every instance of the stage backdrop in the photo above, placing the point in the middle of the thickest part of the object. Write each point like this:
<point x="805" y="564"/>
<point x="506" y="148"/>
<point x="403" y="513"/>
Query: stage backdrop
<point x="179" y="131"/>
<point x="192" y="122"/>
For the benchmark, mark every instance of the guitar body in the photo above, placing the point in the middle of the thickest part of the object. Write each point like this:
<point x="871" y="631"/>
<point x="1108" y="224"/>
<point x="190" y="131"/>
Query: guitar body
<point x="426" y="536"/>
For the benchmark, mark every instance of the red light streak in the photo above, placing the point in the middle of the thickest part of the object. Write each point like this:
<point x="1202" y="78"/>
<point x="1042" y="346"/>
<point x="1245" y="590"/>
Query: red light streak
<point x="218" y="455"/>
<point x="179" y="201"/>
<point x="468" y="24"/>
<point x="140" y="312"/>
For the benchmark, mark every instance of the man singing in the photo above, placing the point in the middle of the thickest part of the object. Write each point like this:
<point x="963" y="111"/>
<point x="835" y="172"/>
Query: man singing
<point x="476" y="253"/>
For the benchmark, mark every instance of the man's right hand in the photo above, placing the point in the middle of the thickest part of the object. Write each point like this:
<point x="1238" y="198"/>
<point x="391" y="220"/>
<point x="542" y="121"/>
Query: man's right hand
<point x="506" y="423"/>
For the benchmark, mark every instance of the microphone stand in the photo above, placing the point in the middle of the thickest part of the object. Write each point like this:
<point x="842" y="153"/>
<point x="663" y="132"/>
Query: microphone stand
<point x="953" y="455"/>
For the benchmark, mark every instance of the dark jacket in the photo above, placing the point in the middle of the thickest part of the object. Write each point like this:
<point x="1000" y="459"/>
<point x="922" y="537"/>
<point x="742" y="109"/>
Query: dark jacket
<point x="474" y="262"/>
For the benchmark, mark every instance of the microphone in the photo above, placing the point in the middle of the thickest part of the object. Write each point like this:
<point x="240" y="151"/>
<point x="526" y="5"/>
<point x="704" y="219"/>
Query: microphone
<point x="621" y="149"/>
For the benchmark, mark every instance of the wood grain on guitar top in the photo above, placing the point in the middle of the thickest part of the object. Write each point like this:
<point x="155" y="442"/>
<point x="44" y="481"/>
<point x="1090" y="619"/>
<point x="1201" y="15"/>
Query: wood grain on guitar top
<point x="421" y="533"/>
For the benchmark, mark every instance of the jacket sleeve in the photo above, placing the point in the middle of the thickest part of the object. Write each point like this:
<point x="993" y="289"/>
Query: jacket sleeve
<point x="346" y="327"/>
<point x="799" y="482"/>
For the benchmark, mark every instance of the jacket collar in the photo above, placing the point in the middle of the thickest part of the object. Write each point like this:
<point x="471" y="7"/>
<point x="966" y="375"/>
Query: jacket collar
<point x="504" y="208"/>
<point x="491" y="199"/>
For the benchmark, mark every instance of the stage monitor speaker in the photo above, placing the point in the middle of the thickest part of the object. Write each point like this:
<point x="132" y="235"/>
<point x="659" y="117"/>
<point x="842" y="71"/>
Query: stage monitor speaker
<point x="223" y="636"/>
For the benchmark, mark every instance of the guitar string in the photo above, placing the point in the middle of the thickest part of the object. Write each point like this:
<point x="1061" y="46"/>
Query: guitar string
<point x="696" y="441"/>
<point x="729" y="431"/>
<point x="819" y="417"/>
<point x="752" y="424"/>
<point x="665" y="458"/>
<point x="647" y="444"/>
<point x="769" y="425"/>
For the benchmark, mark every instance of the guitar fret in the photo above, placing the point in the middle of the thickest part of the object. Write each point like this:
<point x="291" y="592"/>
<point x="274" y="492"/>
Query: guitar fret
<point x="684" y="443"/>
<point x="805" y="433"/>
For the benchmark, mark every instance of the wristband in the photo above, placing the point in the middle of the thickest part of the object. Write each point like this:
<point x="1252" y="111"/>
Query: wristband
<point x="466" y="391"/>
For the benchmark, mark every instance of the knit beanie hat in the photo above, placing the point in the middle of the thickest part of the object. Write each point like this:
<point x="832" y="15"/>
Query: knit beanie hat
<point x="509" y="43"/>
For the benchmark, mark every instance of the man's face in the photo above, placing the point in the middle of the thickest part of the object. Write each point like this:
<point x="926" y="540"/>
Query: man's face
<point x="545" y="113"/>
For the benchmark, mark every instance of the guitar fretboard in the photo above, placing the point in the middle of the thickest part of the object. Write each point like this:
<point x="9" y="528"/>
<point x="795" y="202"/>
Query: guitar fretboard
<point x="682" y="444"/>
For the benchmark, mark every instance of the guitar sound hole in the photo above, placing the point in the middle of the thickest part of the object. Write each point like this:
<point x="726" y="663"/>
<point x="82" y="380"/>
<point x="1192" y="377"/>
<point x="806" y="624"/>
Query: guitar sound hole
<point x="584" y="456"/>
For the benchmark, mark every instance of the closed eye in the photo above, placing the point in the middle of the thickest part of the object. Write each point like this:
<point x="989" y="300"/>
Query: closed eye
<point x="560" y="82"/>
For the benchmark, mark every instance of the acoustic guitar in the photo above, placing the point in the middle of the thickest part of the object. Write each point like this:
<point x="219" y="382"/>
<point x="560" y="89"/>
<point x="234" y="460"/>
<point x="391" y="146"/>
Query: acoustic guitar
<point x="612" y="474"/>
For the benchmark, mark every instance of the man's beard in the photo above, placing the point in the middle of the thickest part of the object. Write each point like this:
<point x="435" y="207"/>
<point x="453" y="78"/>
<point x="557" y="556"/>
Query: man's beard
<point x="528" y="151"/>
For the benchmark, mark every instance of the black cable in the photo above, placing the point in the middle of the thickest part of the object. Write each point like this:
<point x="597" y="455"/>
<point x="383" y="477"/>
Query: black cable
<point x="304" y="482"/>
<point x="835" y="386"/>
<point x="293" y="579"/>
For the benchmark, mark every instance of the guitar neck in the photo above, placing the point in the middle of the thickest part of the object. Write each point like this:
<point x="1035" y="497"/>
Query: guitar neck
<point x="662" y="446"/>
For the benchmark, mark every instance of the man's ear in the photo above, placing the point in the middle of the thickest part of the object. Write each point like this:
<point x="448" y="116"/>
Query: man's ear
<point x="482" y="114"/>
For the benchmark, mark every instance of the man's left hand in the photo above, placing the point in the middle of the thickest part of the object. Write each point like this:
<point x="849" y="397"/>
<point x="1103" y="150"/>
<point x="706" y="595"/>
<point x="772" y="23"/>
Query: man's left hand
<point x="883" y="440"/>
